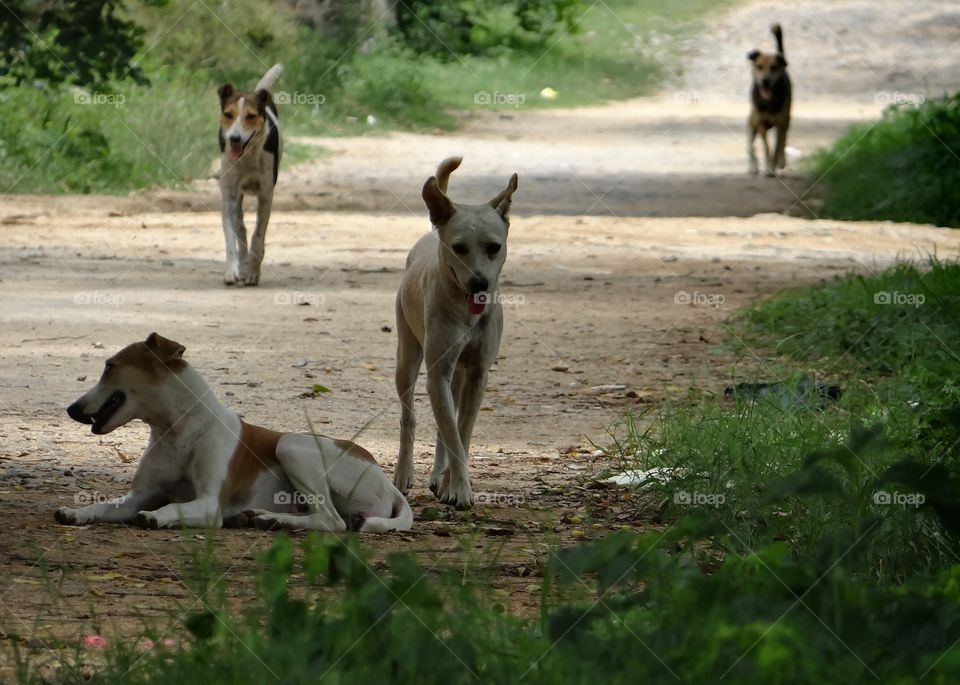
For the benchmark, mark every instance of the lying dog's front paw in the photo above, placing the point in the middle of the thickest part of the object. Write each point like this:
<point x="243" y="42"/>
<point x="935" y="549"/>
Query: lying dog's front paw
<point x="70" y="517"/>
<point x="261" y="519"/>
<point x="147" y="519"/>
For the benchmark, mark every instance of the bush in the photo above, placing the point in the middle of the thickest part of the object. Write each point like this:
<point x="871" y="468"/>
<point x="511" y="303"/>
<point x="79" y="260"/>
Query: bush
<point x="485" y="27"/>
<point x="906" y="167"/>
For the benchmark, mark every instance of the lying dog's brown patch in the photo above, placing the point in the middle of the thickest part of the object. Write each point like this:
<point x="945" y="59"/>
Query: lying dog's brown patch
<point x="256" y="452"/>
<point x="354" y="450"/>
<point x="154" y="357"/>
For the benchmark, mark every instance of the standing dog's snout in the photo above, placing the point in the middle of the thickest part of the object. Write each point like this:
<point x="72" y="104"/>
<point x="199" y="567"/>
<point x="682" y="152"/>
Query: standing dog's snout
<point x="478" y="283"/>
<point x="235" y="138"/>
<point x="77" y="414"/>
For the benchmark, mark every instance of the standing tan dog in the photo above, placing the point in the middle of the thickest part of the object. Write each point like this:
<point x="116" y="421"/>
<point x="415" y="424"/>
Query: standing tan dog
<point x="250" y="149"/>
<point x="205" y="464"/>
<point x="771" y="97"/>
<point x="448" y="311"/>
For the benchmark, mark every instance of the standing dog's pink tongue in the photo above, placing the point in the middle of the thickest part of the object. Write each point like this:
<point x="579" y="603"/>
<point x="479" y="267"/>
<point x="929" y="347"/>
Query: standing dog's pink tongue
<point x="476" y="303"/>
<point x="236" y="149"/>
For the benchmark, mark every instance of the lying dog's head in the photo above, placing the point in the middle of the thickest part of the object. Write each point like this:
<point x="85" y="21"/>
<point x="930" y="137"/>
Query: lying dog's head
<point x="243" y="119"/>
<point x="473" y="238"/>
<point x="127" y="389"/>
<point x="768" y="67"/>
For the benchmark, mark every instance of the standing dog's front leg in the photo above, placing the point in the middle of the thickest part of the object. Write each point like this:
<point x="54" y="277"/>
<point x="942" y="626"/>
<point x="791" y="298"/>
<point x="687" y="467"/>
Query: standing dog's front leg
<point x="751" y="148"/>
<point x="234" y="234"/>
<point x="259" y="238"/>
<point x="780" y="151"/>
<point x="119" y="510"/>
<point x="455" y="486"/>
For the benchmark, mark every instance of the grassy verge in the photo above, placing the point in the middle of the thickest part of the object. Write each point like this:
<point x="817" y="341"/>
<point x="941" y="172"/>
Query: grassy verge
<point x="876" y="458"/>
<point x="119" y="136"/>
<point x="905" y="167"/>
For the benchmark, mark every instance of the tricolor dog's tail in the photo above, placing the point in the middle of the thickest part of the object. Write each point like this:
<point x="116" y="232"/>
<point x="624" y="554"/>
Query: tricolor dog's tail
<point x="402" y="517"/>
<point x="778" y="34"/>
<point x="273" y="73"/>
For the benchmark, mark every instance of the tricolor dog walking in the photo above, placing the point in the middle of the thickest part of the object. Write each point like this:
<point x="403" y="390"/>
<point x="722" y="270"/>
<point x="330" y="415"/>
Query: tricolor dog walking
<point x="204" y="465"/>
<point x="250" y="149"/>
<point x="448" y="312"/>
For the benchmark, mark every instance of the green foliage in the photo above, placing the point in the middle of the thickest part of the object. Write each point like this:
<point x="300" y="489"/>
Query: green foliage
<point x="885" y="340"/>
<point x="905" y="167"/>
<point x="83" y="42"/>
<point x="450" y="30"/>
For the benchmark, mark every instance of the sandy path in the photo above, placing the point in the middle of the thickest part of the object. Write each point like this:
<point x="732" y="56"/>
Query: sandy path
<point x="80" y="277"/>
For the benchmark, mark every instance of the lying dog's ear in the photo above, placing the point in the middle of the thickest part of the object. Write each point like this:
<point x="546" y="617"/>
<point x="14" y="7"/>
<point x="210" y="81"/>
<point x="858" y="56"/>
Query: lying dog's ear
<point x="263" y="99"/>
<point x="166" y="350"/>
<point x="752" y="55"/>
<point x="439" y="205"/>
<point x="501" y="202"/>
<point x="225" y="91"/>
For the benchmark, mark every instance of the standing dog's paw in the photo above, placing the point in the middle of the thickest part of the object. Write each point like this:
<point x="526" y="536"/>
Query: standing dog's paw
<point x="457" y="494"/>
<point x="147" y="519"/>
<point x="252" y="272"/>
<point x="232" y="275"/>
<point x="402" y="479"/>
<point x="69" y="517"/>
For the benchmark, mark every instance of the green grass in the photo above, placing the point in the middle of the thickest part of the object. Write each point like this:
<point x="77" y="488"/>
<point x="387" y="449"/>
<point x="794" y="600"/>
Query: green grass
<point x="905" y="167"/>
<point x="629" y="608"/>
<point x="886" y="339"/>
<point x="163" y="134"/>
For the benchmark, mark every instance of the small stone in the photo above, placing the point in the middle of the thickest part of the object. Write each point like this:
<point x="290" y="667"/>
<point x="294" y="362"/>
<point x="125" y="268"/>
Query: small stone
<point x="386" y="329"/>
<point x="562" y="368"/>
<point x="299" y="363"/>
<point x="81" y="378"/>
<point x="67" y="472"/>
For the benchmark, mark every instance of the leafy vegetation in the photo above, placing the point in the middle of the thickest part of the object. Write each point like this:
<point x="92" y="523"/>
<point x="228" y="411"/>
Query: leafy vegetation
<point x="864" y="171"/>
<point x="109" y="96"/>
<point x="878" y="455"/>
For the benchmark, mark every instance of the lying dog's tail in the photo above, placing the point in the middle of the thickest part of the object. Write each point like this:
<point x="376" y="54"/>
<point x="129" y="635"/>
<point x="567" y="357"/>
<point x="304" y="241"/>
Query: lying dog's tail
<point x="778" y="34"/>
<point x="447" y="167"/>
<point x="402" y="517"/>
<point x="273" y="73"/>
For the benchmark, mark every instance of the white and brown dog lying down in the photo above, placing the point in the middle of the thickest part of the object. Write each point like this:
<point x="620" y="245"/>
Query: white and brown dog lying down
<point x="205" y="466"/>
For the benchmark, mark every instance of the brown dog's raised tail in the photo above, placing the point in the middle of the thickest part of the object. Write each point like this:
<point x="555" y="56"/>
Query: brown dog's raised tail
<point x="778" y="34"/>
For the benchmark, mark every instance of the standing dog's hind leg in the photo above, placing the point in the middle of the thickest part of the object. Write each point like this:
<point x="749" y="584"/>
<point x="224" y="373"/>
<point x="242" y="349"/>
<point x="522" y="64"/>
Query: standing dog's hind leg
<point x="409" y="359"/>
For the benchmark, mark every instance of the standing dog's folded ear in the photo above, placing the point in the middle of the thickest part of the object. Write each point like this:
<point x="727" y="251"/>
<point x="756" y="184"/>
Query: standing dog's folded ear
<point x="166" y="350"/>
<point x="439" y="205"/>
<point x="501" y="202"/>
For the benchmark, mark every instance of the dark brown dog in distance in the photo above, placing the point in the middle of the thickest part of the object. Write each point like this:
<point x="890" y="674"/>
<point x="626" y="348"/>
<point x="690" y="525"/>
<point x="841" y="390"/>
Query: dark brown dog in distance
<point x="771" y="96"/>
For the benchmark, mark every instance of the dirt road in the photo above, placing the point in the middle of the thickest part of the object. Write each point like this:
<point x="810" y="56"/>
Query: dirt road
<point x="629" y="219"/>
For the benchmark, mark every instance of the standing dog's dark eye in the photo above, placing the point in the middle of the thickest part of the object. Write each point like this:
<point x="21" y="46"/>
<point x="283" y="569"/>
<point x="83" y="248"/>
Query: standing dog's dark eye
<point x="493" y="249"/>
<point x="460" y="249"/>
<point x="251" y="117"/>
